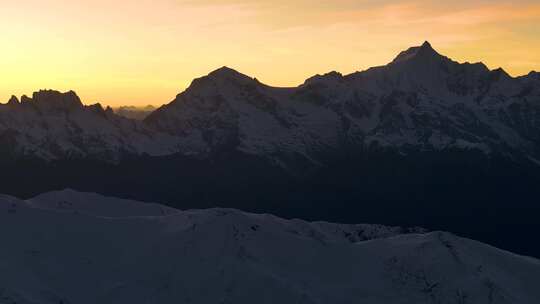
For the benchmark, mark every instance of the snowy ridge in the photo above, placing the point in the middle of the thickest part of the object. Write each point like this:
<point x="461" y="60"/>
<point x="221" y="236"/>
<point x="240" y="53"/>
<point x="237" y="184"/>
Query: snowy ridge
<point x="54" y="255"/>
<point x="97" y="205"/>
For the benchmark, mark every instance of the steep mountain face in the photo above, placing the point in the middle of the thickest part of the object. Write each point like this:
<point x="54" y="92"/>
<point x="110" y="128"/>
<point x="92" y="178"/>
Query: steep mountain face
<point x="154" y="254"/>
<point x="421" y="101"/>
<point x="53" y="125"/>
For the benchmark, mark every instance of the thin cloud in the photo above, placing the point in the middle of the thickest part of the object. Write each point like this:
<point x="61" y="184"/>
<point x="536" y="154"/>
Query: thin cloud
<point x="282" y="13"/>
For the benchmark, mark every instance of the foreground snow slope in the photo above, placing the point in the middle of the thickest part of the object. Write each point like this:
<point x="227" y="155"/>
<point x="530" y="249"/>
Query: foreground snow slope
<point x="69" y="247"/>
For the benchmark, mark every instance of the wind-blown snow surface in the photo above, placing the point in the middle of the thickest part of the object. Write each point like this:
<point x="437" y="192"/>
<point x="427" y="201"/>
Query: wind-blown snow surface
<point x="69" y="247"/>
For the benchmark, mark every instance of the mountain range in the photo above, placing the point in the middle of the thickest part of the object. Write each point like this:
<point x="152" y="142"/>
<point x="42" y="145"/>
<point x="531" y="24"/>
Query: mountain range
<point x="420" y="101"/>
<point x="72" y="247"/>
<point x="423" y="140"/>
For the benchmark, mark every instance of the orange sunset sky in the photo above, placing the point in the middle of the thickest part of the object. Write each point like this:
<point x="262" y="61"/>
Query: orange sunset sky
<point x="142" y="52"/>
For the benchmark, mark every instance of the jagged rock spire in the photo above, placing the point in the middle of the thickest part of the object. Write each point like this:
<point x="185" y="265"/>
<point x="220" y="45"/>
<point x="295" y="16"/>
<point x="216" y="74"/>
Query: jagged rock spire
<point x="13" y="100"/>
<point x="423" y="52"/>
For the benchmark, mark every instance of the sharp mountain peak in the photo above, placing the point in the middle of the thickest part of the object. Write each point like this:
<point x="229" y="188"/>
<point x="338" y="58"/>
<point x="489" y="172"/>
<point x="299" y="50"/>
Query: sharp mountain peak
<point x="423" y="52"/>
<point x="13" y="100"/>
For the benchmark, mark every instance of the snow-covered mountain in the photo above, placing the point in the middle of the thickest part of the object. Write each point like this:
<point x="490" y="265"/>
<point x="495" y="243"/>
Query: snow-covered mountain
<point x="69" y="247"/>
<point x="421" y="101"/>
<point x="53" y="125"/>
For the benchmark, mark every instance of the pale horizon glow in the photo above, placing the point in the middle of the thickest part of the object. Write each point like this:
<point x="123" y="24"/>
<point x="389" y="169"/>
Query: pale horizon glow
<point x="126" y="53"/>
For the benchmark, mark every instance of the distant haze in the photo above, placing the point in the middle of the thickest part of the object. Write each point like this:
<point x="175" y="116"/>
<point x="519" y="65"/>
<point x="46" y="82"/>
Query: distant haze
<point x="145" y="52"/>
<point x="134" y="112"/>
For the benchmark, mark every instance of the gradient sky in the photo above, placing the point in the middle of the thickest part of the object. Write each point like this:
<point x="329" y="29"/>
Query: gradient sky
<point x="146" y="51"/>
